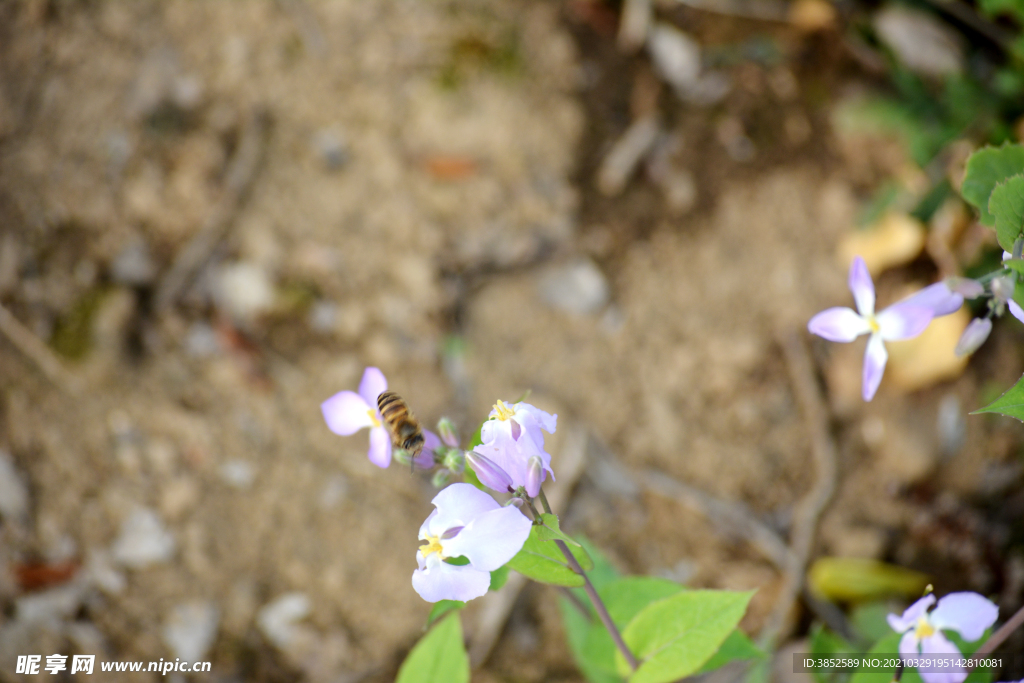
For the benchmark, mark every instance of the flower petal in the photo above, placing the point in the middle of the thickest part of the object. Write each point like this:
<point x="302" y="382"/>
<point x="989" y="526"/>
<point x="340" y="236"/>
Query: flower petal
<point x="489" y="474"/>
<point x="439" y="580"/>
<point x="839" y="324"/>
<point x="875" y="357"/>
<point x="965" y="286"/>
<point x="1016" y="310"/>
<point x="380" y="447"/>
<point x="862" y="287"/>
<point x="908" y="644"/>
<point x="938" y="644"/>
<point x="492" y="539"/>
<point x="372" y="385"/>
<point x="973" y="337"/>
<point x="547" y="421"/>
<point x="903" y="321"/>
<point x="940" y="298"/>
<point x="458" y="505"/>
<point x="969" y="614"/>
<point x="911" y="614"/>
<point x="346" y="413"/>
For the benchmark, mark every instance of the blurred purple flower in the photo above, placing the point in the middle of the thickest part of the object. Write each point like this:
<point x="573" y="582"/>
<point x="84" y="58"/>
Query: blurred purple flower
<point x="347" y="412"/>
<point x="511" y="437"/>
<point x="468" y="523"/>
<point x="969" y="614"/>
<point x="902" y="320"/>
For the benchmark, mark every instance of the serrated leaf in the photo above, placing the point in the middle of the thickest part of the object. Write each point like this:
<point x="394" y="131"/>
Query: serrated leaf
<point x="736" y="647"/>
<point x="1010" y="404"/>
<point x="675" y="636"/>
<point x="1006" y="203"/>
<point x="986" y="168"/>
<point x="624" y="599"/>
<point x="549" y="531"/>
<point x="498" y="578"/>
<point x="441" y="608"/>
<point x="439" y="656"/>
<point x="543" y="561"/>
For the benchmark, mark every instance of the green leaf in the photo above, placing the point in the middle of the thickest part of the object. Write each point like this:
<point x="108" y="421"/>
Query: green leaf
<point x="1010" y="404"/>
<point x="854" y="578"/>
<point x="1016" y="264"/>
<point x="549" y="530"/>
<point x="675" y="636"/>
<point x="441" y="608"/>
<point x="1006" y="203"/>
<point x="736" y="647"/>
<point x="498" y="578"/>
<point x="543" y="561"/>
<point x="439" y="656"/>
<point x="624" y="599"/>
<point x="577" y="627"/>
<point x="869" y="620"/>
<point x="825" y="643"/>
<point x="986" y="168"/>
<point x="886" y="646"/>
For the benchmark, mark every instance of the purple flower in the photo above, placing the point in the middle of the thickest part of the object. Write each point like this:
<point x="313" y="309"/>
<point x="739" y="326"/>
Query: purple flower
<point x="511" y="437"/>
<point x="969" y="614"/>
<point x="467" y="523"/>
<point x="902" y="320"/>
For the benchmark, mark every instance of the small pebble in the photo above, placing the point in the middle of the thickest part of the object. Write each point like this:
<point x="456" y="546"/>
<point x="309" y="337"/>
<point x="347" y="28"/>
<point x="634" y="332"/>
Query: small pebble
<point x="922" y="42"/>
<point x="239" y="474"/>
<point x="133" y="266"/>
<point x="277" y="619"/>
<point x="201" y="340"/>
<point x="578" y="287"/>
<point x="331" y="149"/>
<point x="13" y="491"/>
<point x="52" y="605"/>
<point x="190" y="629"/>
<point x="243" y="290"/>
<point x="143" y="540"/>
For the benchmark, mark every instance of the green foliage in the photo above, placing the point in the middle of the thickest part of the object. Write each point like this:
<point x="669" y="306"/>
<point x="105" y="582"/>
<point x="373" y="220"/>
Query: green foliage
<point x="675" y="636"/>
<point x="825" y="643"/>
<point x="548" y="530"/>
<point x="737" y="647"/>
<point x="439" y="656"/>
<point x="578" y="626"/>
<point x="1010" y="404"/>
<point x="869" y="620"/>
<point x="986" y="168"/>
<point x="1006" y="203"/>
<point x="498" y="578"/>
<point x="857" y="579"/>
<point x="543" y="561"/>
<point x="441" y="608"/>
<point x="889" y="645"/>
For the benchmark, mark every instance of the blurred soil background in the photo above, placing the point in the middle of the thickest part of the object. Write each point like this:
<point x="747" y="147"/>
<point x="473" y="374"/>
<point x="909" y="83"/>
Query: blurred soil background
<point x="215" y="215"/>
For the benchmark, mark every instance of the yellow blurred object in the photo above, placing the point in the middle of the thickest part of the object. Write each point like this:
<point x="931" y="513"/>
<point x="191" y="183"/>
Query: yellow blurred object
<point x="895" y="239"/>
<point x="928" y="359"/>
<point x="812" y="15"/>
<point x="852" y="579"/>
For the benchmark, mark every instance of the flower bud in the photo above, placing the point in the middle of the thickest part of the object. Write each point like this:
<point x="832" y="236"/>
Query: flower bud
<point x="446" y="430"/>
<point x="441" y="479"/>
<point x="534" y="475"/>
<point x="516" y="501"/>
<point x="973" y="337"/>
<point x="488" y="472"/>
<point x="965" y="287"/>
<point x="1002" y="287"/>
<point x="454" y="459"/>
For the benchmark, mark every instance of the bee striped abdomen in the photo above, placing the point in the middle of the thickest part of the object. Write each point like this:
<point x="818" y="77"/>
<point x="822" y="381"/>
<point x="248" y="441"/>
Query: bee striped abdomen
<point x="401" y="423"/>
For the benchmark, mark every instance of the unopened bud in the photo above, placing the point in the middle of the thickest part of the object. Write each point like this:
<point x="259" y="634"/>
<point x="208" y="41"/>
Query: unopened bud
<point x="1002" y="287"/>
<point x="515" y="502"/>
<point x="965" y="287"/>
<point x="441" y="479"/>
<point x="454" y="459"/>
<point x="973" y="337"/>
<point x="446" y="430"/>
<point x="534" y="475"/>
<point x="488" y="472"/>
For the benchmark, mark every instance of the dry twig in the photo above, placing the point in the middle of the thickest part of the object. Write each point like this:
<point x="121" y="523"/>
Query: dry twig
<point x="240" y="174"/>
<point x="38" y="352"/>
<point x="805" y="385"/>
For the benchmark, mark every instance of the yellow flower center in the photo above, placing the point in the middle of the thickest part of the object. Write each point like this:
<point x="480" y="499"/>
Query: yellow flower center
<point x="433" y="546"/>
<point x="504" y="412"/>
<point x="373" y="417"/>
<point x="924" y="629"/>
<point x="873" y="324"/>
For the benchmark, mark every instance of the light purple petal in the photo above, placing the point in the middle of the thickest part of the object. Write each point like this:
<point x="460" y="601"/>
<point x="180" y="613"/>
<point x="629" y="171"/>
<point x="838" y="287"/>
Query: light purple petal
<point x="875" y="357"/>
<point x="939" y="298"/>
<point x="839" y="324"/>
<point x="862" y="287"/>
<point x="489" y="474"/>
<point x="546" y="421"/>
<point x="1016" y="310"/>
<point x="969" y="614"/>
<point x="908" y="643"/>
<point x="534" y="476"/>
<point x="965" y="287"/>
<point x="458" y="505"/>
<point x="903" y="321"/>
<point x="973" y="337"/>
<point x="490" y="540"/>
<point x="438" y="580"/>
<point x="937" y="644"/>
<point x="427" y="524"/>
<point x="372" y="385"/>
<point x="346" y="413"/>
<point x="911" y="614"/>
<point x="380" y="447"/>
<point x="1002" y="287"/>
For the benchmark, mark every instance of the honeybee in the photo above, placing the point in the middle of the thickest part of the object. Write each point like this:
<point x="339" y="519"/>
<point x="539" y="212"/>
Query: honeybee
<point x="401" y="424"/>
